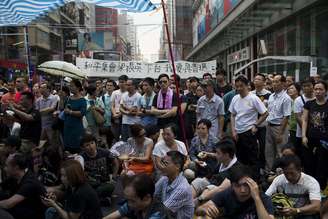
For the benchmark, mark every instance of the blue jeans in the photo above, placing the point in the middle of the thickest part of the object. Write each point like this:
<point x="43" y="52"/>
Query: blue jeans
<point x="125" y="132"/>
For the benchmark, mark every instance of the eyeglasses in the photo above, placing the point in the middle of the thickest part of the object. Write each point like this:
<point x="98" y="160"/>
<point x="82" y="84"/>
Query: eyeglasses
<point x="163" y="82"/>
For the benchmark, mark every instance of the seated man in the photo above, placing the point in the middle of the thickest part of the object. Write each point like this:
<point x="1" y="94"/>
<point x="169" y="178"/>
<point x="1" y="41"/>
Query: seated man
<point x="24" y="199"/>
<point x="98" y="165"/>
<point x="242" y="200"/>
<point x="303" y="190"/>
<point x="173" y="189"/>
<point x="139" y="193"/>
<point x="205" y="188"/>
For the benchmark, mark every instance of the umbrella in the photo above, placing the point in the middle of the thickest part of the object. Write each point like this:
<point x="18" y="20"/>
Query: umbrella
<point x="61" y="68"/>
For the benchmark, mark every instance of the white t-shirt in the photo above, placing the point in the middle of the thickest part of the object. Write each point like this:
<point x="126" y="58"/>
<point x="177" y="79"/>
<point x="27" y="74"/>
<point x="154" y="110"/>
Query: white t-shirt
<point x="116" y="99"/>
<point x="161" y="148"/>
<point x="298" y="108"/>
<point x="129" y="102"/>
<point x="246" y="111"/>
<point x="306" y="185"/>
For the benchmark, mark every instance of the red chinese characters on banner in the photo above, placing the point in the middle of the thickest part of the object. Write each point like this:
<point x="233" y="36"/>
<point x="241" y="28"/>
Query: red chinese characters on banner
<point x="12" y="64"/>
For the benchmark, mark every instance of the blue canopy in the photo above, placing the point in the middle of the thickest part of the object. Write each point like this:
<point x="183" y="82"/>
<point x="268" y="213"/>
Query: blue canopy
<point x="21" y="12"/>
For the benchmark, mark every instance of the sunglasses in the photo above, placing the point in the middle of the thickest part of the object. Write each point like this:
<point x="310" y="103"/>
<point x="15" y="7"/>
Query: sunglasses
<point x="163" y="82"/>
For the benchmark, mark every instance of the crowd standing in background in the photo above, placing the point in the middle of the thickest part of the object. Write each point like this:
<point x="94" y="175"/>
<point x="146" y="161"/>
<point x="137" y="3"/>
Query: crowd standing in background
<point x="134" y="148"/>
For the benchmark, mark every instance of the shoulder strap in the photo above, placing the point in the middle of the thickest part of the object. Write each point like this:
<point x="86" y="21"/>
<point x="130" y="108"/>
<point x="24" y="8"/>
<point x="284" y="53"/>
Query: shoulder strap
<point x="303" y="99"/>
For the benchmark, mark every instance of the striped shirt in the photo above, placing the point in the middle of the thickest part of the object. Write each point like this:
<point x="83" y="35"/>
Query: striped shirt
<point x="177" y="196"/>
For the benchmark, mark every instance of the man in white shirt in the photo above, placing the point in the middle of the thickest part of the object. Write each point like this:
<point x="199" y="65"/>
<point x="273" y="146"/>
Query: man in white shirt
<point x="116" y="103"/>
<point x="303" y="152"/>
<point x="130" y="108"/>
<point x="245" y="108"/>
<point x="302" y="189"/>
<point x="279" y="108"/>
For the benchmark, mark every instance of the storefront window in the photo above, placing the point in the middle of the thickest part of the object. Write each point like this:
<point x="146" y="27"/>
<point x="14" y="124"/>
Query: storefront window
<point x="322" y="42"/>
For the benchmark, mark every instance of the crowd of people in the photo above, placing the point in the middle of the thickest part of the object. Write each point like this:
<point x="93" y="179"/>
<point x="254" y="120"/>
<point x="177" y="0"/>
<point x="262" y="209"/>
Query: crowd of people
<point x="164" y="148"/>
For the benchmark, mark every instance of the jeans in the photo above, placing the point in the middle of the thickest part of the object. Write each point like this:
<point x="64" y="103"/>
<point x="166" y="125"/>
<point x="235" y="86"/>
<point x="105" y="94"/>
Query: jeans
<point x="125" y="134"/>
<point x="51" y="213"/>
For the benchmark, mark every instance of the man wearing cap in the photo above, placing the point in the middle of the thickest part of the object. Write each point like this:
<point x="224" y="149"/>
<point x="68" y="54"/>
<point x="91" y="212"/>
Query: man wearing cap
<point x="211" y="107"/>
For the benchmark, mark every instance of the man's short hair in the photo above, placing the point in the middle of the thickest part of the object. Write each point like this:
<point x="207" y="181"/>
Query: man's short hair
<point x="177" y="158"/>
<point x="149" y="81"/>
<point x="177" y="77"/>
<point x="282" y="77"/>
<point x="142" y="184"/>
<point x="173" y="128"/>
<point x="163" y="76"/>
<point x="221" y="72"/>
<point x="240" y="172"/>
<point x="261" y="75"/>
<point x="13" y="142"/>
<point x="242" y="79"/>
<point x="123" y="78"/>
<point x="207" y="74"/>
<point x="286" y="161"/>
<point x="20" y="160"/>
<point x="193" y="79"/>
<point x="309" y="80"/>
<point x="227" y="146"/>
<point x="209" y="82"/>
<point x="29" y="95"/>
<point x="86" y="138"/>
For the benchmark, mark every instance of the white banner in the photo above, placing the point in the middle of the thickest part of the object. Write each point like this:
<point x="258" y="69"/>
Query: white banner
<point x="134" y="69"/>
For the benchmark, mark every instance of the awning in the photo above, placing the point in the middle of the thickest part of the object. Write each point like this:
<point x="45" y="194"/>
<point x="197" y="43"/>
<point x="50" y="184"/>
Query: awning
<point x="21" y="12"/>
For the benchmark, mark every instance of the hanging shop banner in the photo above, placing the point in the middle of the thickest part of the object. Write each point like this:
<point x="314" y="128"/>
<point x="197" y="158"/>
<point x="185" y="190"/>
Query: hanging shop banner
<point x="135" y="69"/>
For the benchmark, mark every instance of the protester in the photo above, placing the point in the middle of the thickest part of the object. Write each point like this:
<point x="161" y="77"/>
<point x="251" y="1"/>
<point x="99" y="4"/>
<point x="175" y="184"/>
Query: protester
<point x="46" y="105"/>
<point x="301" y="150"/>
<point x="140" y="202"/>
<point x="130" y="106"/>
<point x="190" y="118"/>
<point x="165" y="104"/>
<point x="29" y="117"/>
<point x="279" y="108"/>
<point x="263" y="94"/>
<point x="173" y="189"/>
<point x="146" y="102"/>
<point x="81" y="201"/>
<point x="169" y="143"/>
<point x="140" y="160"/>
<point x="315" y="132"/>
<point x="245" y="108"/>
<point x="242" y="200"/>
<point x="99" y="165"/>
<point x="75" y="109"/>
<point x="24" y="195"/>
<point x="21" y="86"/>
<point x="293" y="90"/>
<point x="205" y="188"/>
<point x="222" y="87"/>
<point x="105" y="130"/>
<point x="211" y="107"/>
<point x="9" y="97"/>
<point x="116" y="104"/>
<point x="303" y="190"/>
<point x="202" y="149"/>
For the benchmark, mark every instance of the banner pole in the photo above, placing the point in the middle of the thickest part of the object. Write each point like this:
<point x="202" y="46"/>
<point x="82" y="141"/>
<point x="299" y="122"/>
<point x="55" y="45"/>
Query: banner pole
<point x="28" y="58"/>
<point x="175" y="76"/>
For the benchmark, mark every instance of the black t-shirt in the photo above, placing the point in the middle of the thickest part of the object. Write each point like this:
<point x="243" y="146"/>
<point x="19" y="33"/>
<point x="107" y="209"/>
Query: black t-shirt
<point x="31" y="130"/>
<point x="190" y="114"/>
<point x="99" y="167"/>
<point x="31" y="206"/>
<point x="221" y="91"/>
<point x="83" y="200"/>
<point x="162" y="122"/>
<point x="318" y="120"/>
<point x="227" y="202"/>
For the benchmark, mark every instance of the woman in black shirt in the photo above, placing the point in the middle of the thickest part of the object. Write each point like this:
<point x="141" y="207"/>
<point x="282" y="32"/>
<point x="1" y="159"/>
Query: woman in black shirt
<point x="315" y="131"/>
<point x="81" y="201"/>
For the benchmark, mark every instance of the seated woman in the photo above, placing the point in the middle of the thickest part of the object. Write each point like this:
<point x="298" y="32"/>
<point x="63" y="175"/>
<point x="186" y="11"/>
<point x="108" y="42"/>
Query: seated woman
<point x="202" y="150"/>
<point x="81" y="201"/>
<point x="140" y="160"/>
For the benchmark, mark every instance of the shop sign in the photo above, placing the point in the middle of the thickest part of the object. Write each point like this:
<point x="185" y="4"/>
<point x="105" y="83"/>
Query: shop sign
<point x="239" y="56"/>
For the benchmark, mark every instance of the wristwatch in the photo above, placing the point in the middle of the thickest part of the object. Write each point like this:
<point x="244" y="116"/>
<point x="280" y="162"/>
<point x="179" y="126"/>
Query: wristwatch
<point x="200" y="198"/>
<point x="298" y="211"/>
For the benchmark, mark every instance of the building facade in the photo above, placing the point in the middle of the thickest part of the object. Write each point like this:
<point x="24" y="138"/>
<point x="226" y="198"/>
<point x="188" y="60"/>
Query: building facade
<point x="179" y="15"/>
<point x="236" y="32"/>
